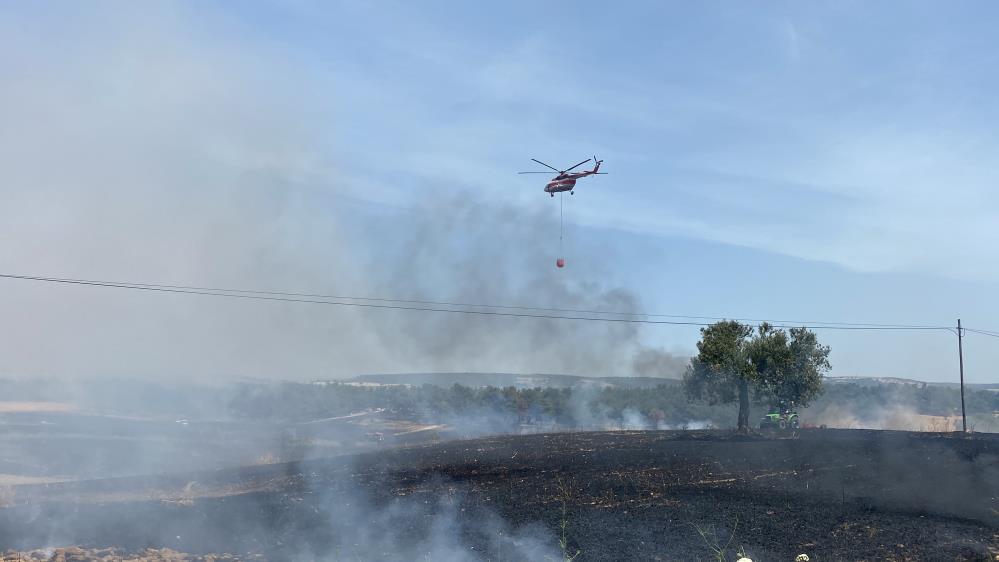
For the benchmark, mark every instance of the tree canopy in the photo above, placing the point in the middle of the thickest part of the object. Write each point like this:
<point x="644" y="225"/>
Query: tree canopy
<point x="777" y="366"/>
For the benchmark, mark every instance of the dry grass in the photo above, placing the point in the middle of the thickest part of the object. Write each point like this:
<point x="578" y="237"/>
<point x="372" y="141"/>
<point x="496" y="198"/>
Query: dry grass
<point x="42" y="407"/>
<point x="77" y="554"/>
<point x="267" y="458"/>
<point x="17" y="480"/>
<point x="7" y="496"/>
<point x="565" y="497"/>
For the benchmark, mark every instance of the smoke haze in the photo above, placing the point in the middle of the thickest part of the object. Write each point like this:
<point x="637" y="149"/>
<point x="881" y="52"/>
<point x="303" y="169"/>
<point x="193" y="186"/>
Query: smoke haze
<point x="138" y="147"/>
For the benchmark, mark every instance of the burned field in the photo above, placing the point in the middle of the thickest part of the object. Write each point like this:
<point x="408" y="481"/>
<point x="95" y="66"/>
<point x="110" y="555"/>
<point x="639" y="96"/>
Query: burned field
<point x="650" y="495"/>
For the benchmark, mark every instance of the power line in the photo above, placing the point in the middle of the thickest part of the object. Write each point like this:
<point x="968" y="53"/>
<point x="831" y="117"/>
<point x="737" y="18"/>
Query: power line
<point x="982" y="332"/>
<point x="394" y="304"/>
<point x="432" y="306"/>
<point x="220" y="293"/>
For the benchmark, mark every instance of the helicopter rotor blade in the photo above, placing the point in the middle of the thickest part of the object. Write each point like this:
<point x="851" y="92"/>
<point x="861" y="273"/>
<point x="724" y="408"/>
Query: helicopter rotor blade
<point x="534" y="172"/>
<point x="577" y="165"/>
<point x="546" y="165"/>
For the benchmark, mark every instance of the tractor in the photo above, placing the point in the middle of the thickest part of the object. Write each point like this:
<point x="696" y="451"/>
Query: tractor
<point x="781" y="419"/>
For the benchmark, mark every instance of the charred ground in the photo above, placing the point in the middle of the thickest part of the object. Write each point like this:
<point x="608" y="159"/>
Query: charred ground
<point x="835" y="494"/>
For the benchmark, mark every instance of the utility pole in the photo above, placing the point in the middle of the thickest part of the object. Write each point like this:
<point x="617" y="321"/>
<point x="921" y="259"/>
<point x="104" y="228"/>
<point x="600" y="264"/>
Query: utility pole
<point x="960" y="358"/>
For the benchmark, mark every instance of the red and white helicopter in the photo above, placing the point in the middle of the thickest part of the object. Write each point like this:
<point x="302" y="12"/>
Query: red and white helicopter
<point x="565" y="181"/>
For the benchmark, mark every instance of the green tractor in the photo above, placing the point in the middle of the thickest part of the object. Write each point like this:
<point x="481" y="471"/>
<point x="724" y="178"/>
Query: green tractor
<point x="780" y="419"/>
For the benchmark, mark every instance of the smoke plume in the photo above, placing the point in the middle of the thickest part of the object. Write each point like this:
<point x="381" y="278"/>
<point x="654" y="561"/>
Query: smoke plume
<point x="154" y="152"/>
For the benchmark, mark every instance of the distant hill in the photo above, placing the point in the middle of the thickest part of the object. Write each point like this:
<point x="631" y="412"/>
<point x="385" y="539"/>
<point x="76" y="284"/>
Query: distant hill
<point x="574" y="381"/>
<point x="507" y="379"/>
<point x="877" y="381"/>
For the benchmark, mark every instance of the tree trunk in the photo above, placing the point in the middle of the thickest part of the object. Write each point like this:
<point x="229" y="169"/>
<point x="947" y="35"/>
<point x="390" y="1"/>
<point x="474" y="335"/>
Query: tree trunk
<point x="743" y="406"/>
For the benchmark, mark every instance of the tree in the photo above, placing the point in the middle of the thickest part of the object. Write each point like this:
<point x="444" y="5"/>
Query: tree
<point x="778" y="366"/>
<point x="797" y="377"/>
<point x="721" y="373"/>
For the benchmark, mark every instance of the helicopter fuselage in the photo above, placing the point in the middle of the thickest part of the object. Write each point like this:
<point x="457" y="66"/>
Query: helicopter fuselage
<point x="567" y="182"/>
<point x="559" y="185"/>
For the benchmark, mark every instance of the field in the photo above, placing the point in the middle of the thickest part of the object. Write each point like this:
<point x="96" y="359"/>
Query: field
<point x="9" y="407"/>
<point x="650" y="495"/>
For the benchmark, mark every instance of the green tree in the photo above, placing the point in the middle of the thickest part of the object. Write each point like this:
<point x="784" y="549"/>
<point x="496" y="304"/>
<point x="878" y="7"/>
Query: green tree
<point x="800" y="363"/>
<point x="734" y="359"/>
<point x="721" y="372"/>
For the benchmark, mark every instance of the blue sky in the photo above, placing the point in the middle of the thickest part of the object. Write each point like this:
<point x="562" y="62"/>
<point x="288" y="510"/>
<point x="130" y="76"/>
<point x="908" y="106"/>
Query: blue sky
<point x="805" y="161"/>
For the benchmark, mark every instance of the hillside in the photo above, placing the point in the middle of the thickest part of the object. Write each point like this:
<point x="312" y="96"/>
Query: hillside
<point x="502" y="380"/>
<point x="534" y="380"/>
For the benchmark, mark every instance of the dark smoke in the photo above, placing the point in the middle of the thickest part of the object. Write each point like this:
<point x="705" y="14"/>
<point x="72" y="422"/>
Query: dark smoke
<point x="481" y="251"/>
<point x="650" y="362"/>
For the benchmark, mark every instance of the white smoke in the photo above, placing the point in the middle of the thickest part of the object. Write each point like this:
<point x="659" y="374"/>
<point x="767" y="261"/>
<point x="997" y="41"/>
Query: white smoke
<point x="137" y="147"/>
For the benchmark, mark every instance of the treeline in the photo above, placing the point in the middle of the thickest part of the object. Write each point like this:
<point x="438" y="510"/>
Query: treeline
<point x="300" y="402"/>
<point x="922" y="399"/>
<point x="662" y="406"/>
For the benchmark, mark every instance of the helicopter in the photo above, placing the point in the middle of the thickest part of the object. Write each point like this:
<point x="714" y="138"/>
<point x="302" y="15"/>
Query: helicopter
<point x="565" y="181"/>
